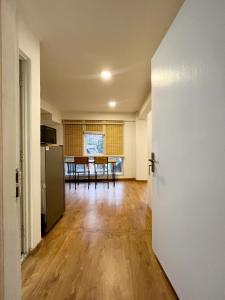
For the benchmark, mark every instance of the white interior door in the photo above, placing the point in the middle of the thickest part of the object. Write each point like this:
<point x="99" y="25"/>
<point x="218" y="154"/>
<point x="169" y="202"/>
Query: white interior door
<point x="188" y="104"/>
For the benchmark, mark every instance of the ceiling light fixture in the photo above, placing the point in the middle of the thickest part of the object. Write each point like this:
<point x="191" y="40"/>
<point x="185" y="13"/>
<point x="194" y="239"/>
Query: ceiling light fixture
<point x="106" y="75"/>
<point x="112" y="104"/>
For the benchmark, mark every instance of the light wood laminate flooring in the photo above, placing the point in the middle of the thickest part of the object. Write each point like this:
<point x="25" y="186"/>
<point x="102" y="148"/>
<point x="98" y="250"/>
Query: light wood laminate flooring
<point x="100" y="250"/>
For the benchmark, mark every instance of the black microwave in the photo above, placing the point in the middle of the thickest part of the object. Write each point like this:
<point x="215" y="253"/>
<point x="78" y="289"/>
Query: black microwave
<point x="48" y="135"/>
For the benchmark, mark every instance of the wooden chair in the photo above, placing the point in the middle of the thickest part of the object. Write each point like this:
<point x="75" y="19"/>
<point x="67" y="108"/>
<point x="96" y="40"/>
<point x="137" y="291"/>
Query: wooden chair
<point x="113" y="163"/>
<point x="70" y="171"/>
<point x="84" y="162"/>
<point x="101" y="161"/>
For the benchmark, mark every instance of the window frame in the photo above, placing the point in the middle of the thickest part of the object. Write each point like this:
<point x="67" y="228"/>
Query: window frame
<point x="96" y="133"/>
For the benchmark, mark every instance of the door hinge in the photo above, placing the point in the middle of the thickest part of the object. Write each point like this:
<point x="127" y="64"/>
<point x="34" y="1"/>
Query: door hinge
<point x="21" y="156"/>
<point x="18" y="183"/>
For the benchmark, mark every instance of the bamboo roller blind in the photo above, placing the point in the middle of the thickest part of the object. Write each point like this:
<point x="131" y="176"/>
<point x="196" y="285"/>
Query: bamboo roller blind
<point x="73" y="140"/>
<point x="114" y="139"/>
<point x="73" y="136"/>
<point x="94" y="126"/>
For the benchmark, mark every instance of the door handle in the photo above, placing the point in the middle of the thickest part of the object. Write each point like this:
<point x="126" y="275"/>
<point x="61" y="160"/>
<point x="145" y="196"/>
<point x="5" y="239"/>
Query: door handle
<point x="153" y="161"/>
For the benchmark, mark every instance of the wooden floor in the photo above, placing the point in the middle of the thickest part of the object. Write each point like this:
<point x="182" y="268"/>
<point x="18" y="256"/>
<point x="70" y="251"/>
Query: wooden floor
<point x="100" y="250"/>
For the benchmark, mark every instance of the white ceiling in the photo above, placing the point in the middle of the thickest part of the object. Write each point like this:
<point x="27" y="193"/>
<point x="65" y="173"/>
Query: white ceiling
<point x="79" y="38"/>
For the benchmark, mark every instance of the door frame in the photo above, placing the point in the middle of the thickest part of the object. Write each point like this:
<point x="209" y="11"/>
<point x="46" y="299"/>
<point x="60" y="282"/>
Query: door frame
<point x="25" y="80"/>
<point x="1" y="174"/>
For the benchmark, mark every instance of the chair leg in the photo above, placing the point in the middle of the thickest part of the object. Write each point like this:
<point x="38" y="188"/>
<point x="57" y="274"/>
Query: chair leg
<point x="95" y="180"/>
<point x="88" y="179"/>
<point x="75" y="179"/>
<point x="69" y="181"/>
<point x="114" y="176"/>
<point x="107" y="176"/>
<point x="75" y="175"/>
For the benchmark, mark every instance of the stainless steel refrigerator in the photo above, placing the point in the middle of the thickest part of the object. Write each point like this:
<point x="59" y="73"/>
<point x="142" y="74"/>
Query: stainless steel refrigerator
<point x="52" y="186"/>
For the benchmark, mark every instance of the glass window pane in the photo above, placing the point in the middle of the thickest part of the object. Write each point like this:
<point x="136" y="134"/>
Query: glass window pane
<point x="93" y="144"/>
<point x="118" y="165"/>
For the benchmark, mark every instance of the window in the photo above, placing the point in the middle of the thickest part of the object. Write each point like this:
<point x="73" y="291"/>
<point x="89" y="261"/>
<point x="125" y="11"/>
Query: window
<point x="93" y="138"/>
<point x="94" y="143"/>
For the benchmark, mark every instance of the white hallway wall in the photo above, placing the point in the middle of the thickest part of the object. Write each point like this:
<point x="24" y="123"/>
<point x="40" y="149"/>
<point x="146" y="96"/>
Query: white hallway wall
<point x="143" y="141"/>
<point x="141" y="158"/>
<point x="188" y="82"/>
<point x="30" y="46"/>
<point x="56" y="114"/>
<point x="129" y="150"/>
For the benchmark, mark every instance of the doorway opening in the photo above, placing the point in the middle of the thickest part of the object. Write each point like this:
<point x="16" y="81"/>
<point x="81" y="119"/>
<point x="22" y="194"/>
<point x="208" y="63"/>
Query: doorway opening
<point x="24" y="156"/>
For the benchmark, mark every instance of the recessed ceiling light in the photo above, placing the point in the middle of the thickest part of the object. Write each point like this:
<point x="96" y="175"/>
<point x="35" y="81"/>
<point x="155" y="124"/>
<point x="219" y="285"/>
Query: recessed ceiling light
<point x="112" y="104"/>
<point x="106" y="75"/>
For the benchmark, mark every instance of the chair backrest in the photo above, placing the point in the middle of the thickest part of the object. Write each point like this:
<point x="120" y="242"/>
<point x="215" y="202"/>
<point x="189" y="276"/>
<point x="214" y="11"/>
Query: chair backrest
<point x="70" y="166"/>
<point x="101" y="160"/>
<point x="81" y="160"/>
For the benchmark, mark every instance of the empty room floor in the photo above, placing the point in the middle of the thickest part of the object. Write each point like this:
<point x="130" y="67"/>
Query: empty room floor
<point x="100" y="250"/>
